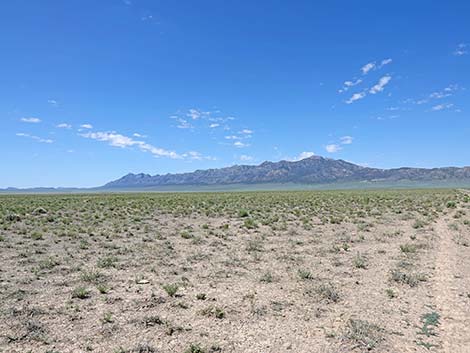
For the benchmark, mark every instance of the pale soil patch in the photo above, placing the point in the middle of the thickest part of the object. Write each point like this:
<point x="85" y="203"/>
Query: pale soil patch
<point x="452" y="289"/>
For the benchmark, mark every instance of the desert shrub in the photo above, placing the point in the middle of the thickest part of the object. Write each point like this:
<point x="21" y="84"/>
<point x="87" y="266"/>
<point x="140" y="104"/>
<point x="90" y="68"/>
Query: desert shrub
<point x="81" y="293"/>
<point x="328" y="292"/>
<point x="360" y="261"/>
<point x="363" y="333"/>
<point x="171" y="289"/>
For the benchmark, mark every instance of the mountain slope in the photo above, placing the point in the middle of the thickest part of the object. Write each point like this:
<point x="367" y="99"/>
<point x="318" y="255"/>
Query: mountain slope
<point x="312" y="170"/>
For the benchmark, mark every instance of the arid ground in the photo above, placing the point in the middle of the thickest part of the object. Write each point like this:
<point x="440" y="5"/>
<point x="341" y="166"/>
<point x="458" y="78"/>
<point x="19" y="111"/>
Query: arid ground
<point x="330" y="271"/>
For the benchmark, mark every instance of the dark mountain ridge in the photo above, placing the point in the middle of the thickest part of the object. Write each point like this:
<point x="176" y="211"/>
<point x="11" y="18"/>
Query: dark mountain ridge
<point x="312" y="170"/>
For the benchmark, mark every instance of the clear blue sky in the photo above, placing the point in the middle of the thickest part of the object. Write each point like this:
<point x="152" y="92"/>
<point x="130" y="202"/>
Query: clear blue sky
<point x="92" y="90"/>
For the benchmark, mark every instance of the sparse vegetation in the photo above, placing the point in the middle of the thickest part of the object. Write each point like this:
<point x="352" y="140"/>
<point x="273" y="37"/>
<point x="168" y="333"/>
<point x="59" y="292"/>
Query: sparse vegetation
<point x="171" y="289"/>
<point x="81" y="293"/>
<point x="176" y="268"/>
<point x="363" y="333"/>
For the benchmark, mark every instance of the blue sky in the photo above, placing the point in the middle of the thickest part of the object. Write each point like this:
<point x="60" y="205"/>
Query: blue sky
<point x="92" y="90"/>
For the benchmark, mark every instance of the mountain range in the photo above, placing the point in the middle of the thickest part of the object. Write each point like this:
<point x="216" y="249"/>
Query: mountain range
<point x="311" y="170"/>
<point x="314" y="172"/>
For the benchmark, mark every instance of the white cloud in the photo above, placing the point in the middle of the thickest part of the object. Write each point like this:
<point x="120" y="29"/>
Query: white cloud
<point x="451" y="88"/>
<point x="86" y="126"/>
<point x="64" y="126"/>
<point x="373" y="66"/>
<point x="442" y="107"/>
<point x="446" y="92"/>
<point x="188" y="120"/>
<point x="232" y="137"/>
<point x="117" y="140"/>
<point x="246" y="131"/>
<point x="365" y="70"/>
<point x="379" y="87"/>
<point x="346" y="140"/>
<point x="136" y="134"/>
<point x="195" y="114"/>
<point x="197" y="156"/>
<point x="385" y="62"/>
<point x="438" y="95"/>
<point x="348" y="84"/>
<point x="303" y="155"/>
<point x="53" y="102"/>
<point x="461" y="49"/>
<point x="31" y="120"/>
<point x="356" y="97"/>
<point x="352" y="83"/>
<point x="367" y="67"/>
<point x="182" y="123"/>
<point x="246" y="158"/>
<point x="332" y="148"/>
<point x="194" y="155"/>
<point x="240" y="144"/>
<point x="36" y="138"/>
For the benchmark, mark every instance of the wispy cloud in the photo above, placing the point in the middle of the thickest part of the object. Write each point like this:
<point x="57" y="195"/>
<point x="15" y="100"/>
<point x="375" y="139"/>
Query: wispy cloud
<point x="336" y="147"/>
<point x="196" y="114"/>
<point x="64" y="126"/>
<point x="461" y="49"/>
<point x="197" y="156"/>
<point x="390" y="117"/>
<point x="53" y="102"/>
<point x="447" y="92"/>
<point x="117" y="140"/>
<point x="352" y="83"/>
<point x="442" y="107"/>
<point x="303" y="155"/>
<point x="367" y="67"/>
<point x="385" y="62"/>
<point x="136" y="134"/>
<point x="31" y="120"/>
<point x="146" y="18"/>
<point x="373" y="65"/>
<point x="333" y="148"/>
<point x="240" y="144"/>
<point x="246" y="158"/>
<point x="36" y="138"/>
<point x="379" y="87"/>
<point x="190" y="118"/>
<point x="181" y="122"/>
<point x="86" y="126"/>
<point x="348" y="84"/>
<point x="241" y="135"/>
<point x="346" y="140"/>
<point x="356" y="97"/>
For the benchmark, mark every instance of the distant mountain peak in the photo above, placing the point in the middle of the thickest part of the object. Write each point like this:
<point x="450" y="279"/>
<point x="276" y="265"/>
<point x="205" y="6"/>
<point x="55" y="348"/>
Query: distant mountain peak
<point x="311" y="170"/>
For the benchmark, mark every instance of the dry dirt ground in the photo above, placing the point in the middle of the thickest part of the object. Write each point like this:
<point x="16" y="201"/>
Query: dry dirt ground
<point x="344" y="271"/>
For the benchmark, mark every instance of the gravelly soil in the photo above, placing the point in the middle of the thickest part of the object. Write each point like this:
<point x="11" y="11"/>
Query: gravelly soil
<point x="382" y="271"/>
